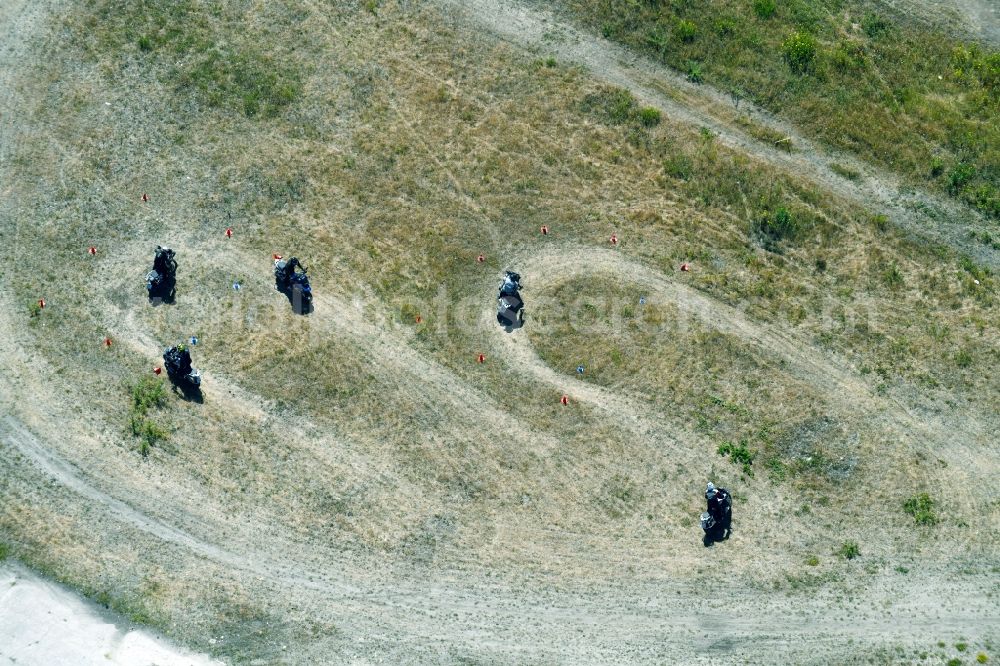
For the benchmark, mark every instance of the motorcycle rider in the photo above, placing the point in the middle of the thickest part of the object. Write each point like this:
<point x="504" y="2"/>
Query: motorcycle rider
<point x="511" y="284"/>
<point x="720" y="506"/>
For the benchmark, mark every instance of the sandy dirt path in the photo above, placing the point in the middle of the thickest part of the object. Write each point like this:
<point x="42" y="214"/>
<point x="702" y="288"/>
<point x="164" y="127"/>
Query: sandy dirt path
<point x="42" y="624"/>
<point x="654" y="621"/>
<point x="922" y="214"/>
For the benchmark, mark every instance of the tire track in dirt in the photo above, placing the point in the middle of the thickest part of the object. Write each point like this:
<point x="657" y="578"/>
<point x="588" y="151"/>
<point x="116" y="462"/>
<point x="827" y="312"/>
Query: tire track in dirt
<point x="587" y="625"/>
<point x="921" y="214"/>
<point x="957" y="441"/>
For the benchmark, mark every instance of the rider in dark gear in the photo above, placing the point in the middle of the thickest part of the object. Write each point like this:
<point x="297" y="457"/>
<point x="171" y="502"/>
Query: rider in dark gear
<point x="177" y="361"/>
<point x="511" y="284"/>
<point x="284" y="270"/>
<point x="163" y="259"/>
<point x="160" y="280"/>
<point x="720" y="507"/>
<point x="295" y="284"/>
<point x="510" y="307"/>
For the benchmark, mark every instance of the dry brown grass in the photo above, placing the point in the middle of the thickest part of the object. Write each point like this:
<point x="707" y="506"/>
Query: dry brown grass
<point x="357" y="436"/>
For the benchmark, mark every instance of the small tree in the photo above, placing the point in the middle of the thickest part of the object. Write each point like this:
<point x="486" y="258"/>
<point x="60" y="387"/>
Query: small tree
<point x="800" y="51"/>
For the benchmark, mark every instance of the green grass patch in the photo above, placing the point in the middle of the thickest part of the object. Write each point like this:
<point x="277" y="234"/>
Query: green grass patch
<point x="148" y="394"/>
<point x="739" y="454"/>
<point x="845" y="172"/>
<point x="200" y="47"/>
<point x="849" y="550"/>
<point x="889" y="89"/>
<point x="921" y="507"/>
<point x="799" y="51"/>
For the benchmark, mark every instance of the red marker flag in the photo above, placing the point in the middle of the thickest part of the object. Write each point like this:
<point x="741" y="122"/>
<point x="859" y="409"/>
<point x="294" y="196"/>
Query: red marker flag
<point x="614" y="239"/>
<point x="482" y="358"/>
<point x="107" y="342"/>
<point x="277" y="257"/>
<point x="229" y="232"/>
<point x="685" y="267"/>
<point x="41" y="302"/>
<point x="564" y="400"/>
<point x="419" y="319"/>
<point x="545" y="230"/>
<point x="145" y="197"/>
<point x="481" y="258"/>
<point x="157" y="370"/>
<point x="92" y="250"/>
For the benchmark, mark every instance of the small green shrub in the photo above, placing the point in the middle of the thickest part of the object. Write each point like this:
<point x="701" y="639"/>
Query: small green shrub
<point x="678" y="166"/>
<point x="148" y="393"/>
<point x="977" y="68"/>
<point x="880" y="222"/>
<point x="615" y="105"/>
<point x="963" y="359"/>
<point x="849" y="550"/>
<point x="764" y="8"/>
<point x="892" y="276"/>
<point x="982" y="658"/>
<point x="812" y="561"/>
<point x="921" y="507"/>
<point x="954" y="662"/>
<point x="694" y="72"/>
<point x="961" y="647"/>
<point x="145" y="43"/>
<point x="799" y="51"/>
<point x="34" y="309"/>
<point x="739" y="454"/>
<point x="848" y="57"/>
<point x="937" y="167"/>
<point x="874" y="25"/>
<point x="649" y="116"/>
<point x="959" y="177"/>
<point x="4" y="551"/>
<point x="724" y="27"/>
<point x="778" y="225"/>
<point x="685" y="30"/>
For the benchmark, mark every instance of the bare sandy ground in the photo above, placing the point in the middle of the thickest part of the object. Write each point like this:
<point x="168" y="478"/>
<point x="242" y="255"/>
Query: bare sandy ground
<point x="661" y="620"/>
<point x="45" y="624"/>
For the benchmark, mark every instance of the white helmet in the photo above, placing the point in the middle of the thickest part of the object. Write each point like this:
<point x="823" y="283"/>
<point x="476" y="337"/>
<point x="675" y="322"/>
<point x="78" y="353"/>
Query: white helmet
<point x="710" y="490"/>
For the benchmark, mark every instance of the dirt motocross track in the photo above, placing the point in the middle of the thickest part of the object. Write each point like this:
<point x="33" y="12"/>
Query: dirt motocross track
<point x="581" y="602"/>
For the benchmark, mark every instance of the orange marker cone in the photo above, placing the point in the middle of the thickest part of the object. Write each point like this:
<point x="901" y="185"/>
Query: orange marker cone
<point x="157" y="370"/>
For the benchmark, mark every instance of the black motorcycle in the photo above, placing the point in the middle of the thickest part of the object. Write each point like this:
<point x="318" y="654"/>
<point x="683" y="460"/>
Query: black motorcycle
<point x="290" y="279"/>
<point x="510" y="307"/>
<point x="177" y="361"/>
<point x="716" y="522"/>
<point x="161" y="281"/>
